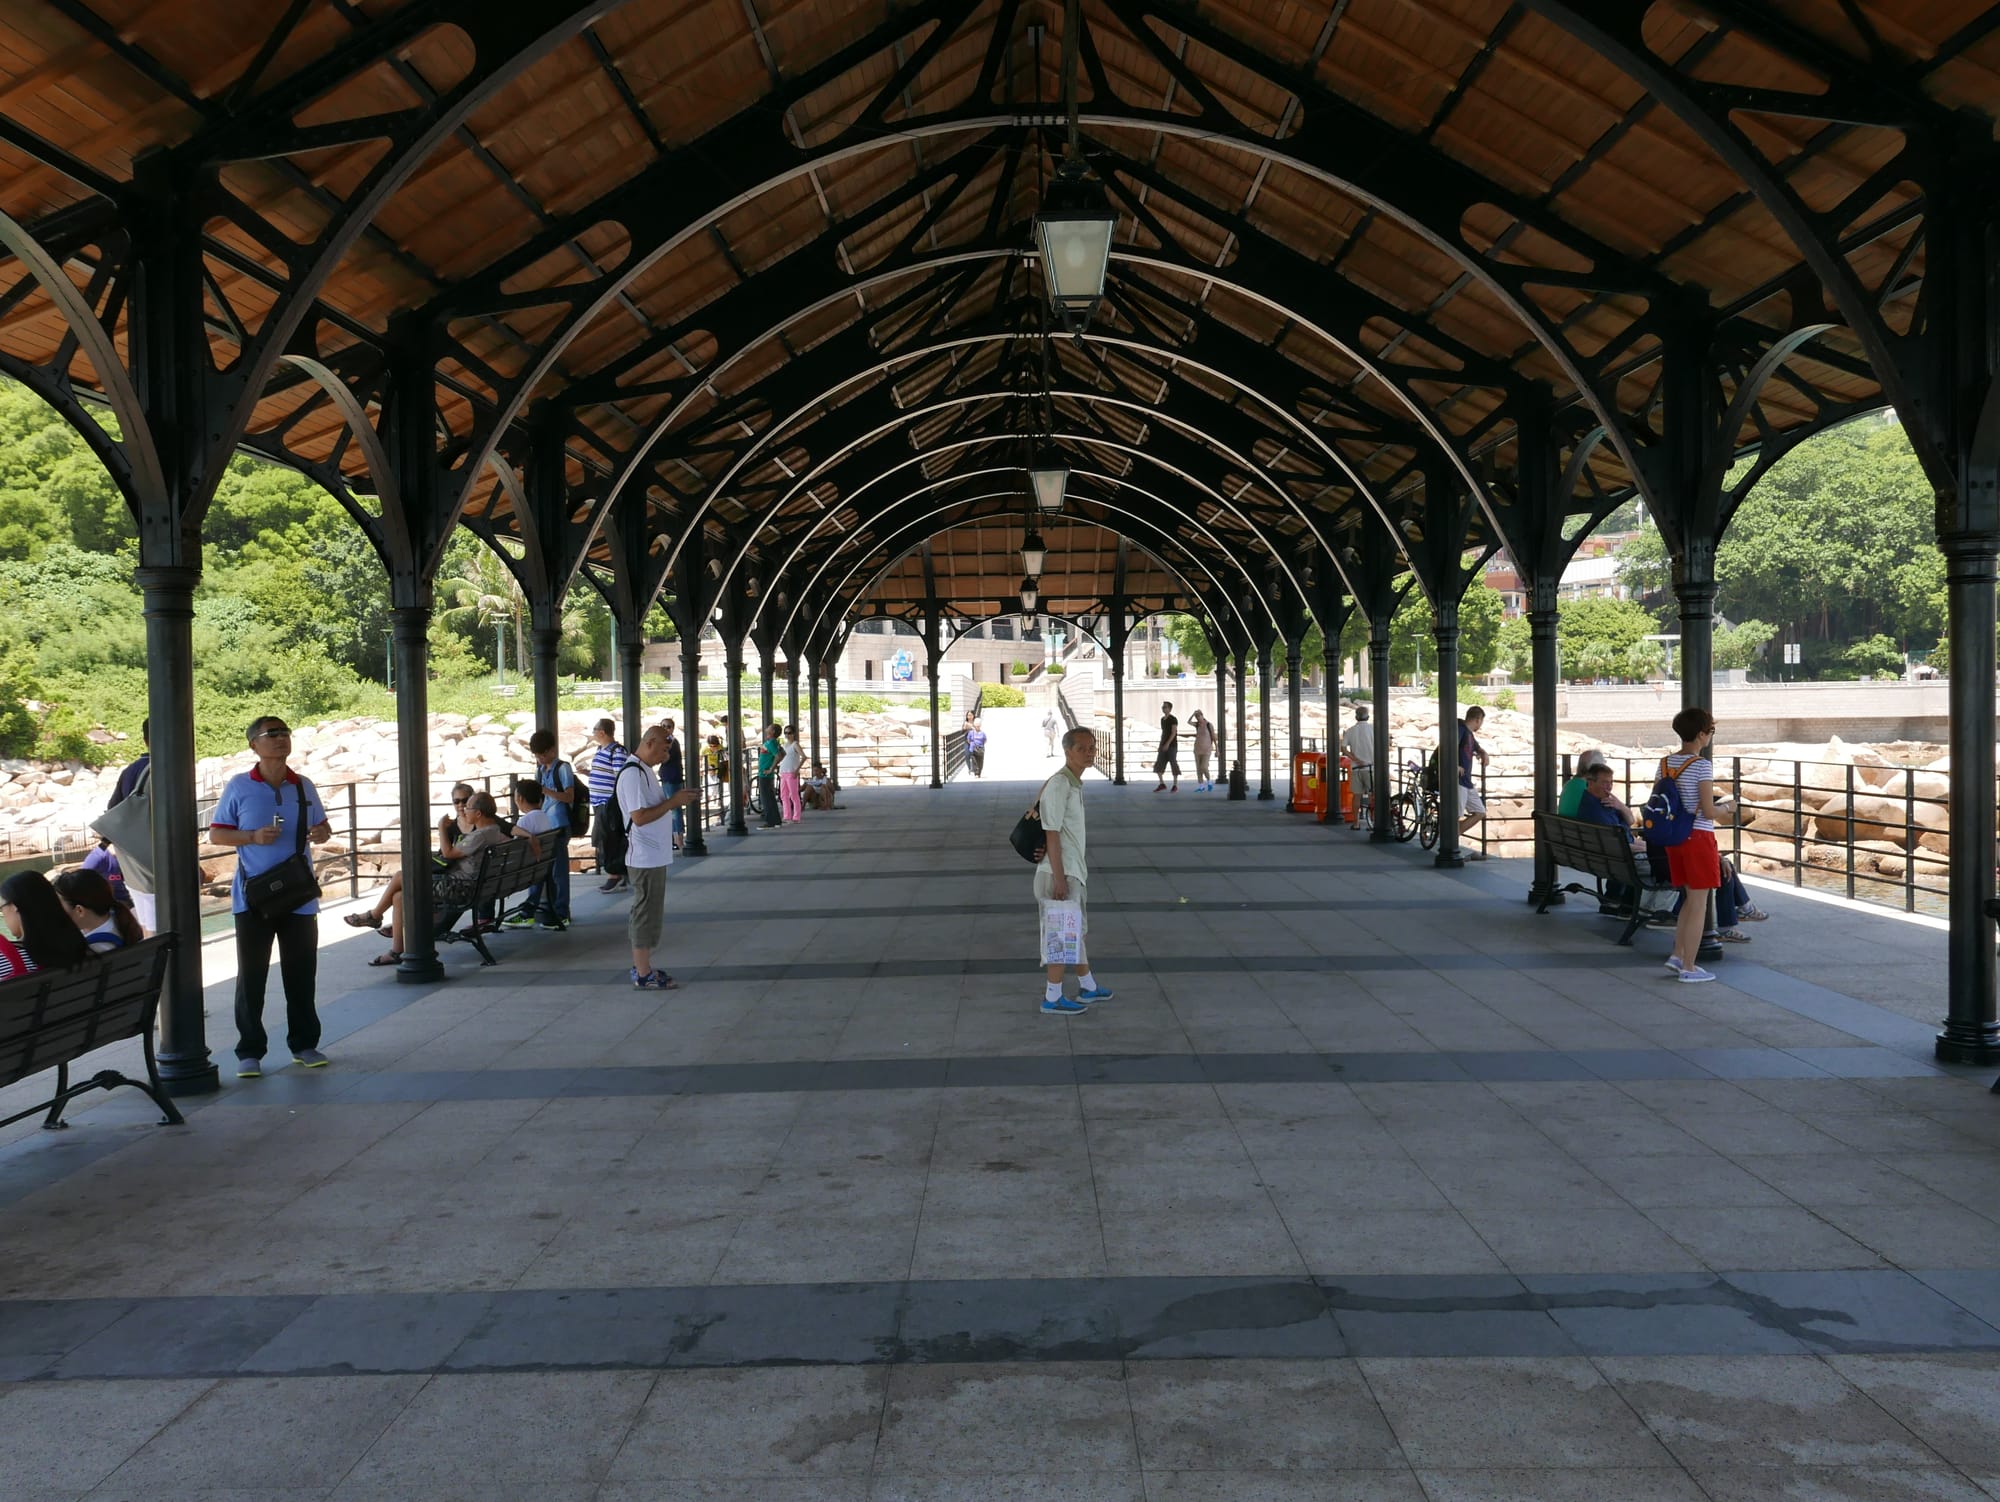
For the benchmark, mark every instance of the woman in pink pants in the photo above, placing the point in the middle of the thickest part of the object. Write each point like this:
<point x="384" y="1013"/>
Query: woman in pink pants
<point x="788" y="778"/>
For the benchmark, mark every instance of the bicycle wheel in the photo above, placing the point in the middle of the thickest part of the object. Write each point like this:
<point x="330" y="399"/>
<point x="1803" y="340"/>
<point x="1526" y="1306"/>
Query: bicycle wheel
<point x="1427" y="825"/>
<point x="1403" y="817"/>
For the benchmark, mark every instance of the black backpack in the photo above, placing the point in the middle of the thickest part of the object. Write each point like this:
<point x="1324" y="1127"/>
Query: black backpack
<point x="1431" y="772"/>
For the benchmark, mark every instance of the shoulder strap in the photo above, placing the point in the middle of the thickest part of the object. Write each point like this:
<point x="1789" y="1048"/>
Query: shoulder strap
<point x="13" y="954"/>
<point x="300" y="848"/>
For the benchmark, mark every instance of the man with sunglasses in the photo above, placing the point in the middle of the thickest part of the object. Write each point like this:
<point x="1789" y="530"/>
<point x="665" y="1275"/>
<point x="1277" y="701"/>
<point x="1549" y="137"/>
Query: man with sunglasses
<point x="258" y="815"/>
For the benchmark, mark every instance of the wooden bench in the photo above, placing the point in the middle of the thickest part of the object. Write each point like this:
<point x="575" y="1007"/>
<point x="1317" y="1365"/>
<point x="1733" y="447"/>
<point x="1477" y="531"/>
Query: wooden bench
<point x="498" y="872"/>
<point x="1601" y="851"/>
<point x="52" y="1018"/>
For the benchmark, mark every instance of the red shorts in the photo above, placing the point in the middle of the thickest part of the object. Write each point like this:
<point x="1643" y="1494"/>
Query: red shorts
<point x="1695" y="863"/>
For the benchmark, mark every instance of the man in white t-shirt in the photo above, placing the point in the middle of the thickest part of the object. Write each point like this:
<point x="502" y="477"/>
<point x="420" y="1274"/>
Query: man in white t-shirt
<point x="649" y="850"/>
<point x="1357" y="743"/>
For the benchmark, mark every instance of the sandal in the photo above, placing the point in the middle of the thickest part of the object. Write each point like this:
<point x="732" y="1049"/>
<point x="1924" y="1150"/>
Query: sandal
<point x="363" y="920"/>
<point x="393" y="957"/>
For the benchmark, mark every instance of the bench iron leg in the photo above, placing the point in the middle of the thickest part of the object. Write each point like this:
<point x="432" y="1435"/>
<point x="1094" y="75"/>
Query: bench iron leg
<point x="53" y="1122"/>
<point x="1640" y="914"/>
<point x="170" y="1114"/>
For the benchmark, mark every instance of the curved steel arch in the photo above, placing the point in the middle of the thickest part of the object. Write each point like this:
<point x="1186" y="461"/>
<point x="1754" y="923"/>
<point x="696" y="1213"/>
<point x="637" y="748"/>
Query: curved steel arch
<point x="837" y="358"/>
<point x="1506" y="282"/>
<point x="833" y="597"/>
<point x="805" y="481"/>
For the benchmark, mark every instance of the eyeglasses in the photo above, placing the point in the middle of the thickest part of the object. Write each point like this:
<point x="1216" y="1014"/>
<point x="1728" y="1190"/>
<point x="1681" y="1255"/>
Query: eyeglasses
<point x="277" y="733"/>
<point x="459" y="802"/>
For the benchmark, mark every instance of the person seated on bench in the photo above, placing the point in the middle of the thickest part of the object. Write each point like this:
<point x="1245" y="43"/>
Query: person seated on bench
<point x="819" y="789"/>
<point x="481" y="821"/>
<point x="1570" y="803"/>
<point x="38" y="933"/>
<point x="530" y="798"/>
<point x="1600" y="805"/>
<point x="105" y="923"/>
<point x="1732" y="906"/>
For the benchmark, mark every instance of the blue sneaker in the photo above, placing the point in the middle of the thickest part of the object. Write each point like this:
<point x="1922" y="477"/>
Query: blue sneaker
<point x="1062" y="1006"/>
<point x="1102" y="993"/>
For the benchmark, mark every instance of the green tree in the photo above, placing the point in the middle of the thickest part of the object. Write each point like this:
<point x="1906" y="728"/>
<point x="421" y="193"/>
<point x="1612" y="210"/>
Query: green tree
<point x="1874" y="657"/>
<point x="1834" y="545"/>
<point x="1738" y="646"/>
<point x="1192" y="640"/>
<point x="1617" y="626"/>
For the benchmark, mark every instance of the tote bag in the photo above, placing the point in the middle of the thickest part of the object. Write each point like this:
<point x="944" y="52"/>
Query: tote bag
<point x="129" y="827"/>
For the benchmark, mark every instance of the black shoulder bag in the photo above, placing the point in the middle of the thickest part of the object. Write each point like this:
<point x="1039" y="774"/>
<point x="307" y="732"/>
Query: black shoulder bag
<point x="1027" y="836"/>
<point x="289" y="885"/>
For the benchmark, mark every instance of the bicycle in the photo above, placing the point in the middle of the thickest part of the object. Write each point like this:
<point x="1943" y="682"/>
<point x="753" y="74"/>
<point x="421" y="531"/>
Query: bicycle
<point x="1413" y="813"/>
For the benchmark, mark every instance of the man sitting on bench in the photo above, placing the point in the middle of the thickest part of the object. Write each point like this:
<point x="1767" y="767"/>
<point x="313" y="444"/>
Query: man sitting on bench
<point x="482" y="828"/>
<point x="1600" y="805"/>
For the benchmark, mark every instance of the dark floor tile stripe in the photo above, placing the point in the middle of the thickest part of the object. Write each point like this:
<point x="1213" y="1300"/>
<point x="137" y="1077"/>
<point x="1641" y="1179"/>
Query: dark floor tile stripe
<point x="987" y="1320"/>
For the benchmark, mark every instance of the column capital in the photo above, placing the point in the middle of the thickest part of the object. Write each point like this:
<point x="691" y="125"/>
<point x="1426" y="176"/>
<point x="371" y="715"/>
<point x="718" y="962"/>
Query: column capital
<point x="166" y="579"/>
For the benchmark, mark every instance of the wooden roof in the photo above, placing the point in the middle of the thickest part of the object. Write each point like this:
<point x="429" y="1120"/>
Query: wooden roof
<point x="758" y="272"/>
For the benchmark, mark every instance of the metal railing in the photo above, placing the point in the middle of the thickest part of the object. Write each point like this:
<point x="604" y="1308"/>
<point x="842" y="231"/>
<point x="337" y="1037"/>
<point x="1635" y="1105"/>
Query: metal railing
<point x="1820" y="825"/>
<point x="1104" y="758"/>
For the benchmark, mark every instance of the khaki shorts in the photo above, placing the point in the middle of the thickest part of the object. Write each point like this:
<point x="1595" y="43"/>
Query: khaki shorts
<point x="1469" y="801"/>
<point x="649" y="903"/>
<point x="1044" y="892"/>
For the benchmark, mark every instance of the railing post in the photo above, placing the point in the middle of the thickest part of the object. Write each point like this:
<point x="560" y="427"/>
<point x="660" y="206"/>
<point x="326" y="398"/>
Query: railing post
<point x="1850" y="829"/>
<point x="1910" y="839"/>
<point x="1798" y="827"/>
<point x="353" y="844"/>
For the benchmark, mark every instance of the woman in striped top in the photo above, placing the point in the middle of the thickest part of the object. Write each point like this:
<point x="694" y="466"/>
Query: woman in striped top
<point x="39" y="934"/>
<point x="1695" y="865"/>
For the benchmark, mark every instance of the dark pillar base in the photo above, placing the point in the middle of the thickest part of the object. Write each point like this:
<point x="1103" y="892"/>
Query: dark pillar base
<point x="1979" y="1047"/>
<point x="1538" y="895"/>
<point x="420" y="970"/>
<point x="1239" y="785"/>
<point x="1448" y="860"/>
<point x="1265" y="795"/>
<point x="189" y="1074"/>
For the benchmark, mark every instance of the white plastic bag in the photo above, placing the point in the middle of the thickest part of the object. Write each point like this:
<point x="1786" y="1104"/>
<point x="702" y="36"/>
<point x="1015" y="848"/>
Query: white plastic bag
<point x="1062" y="932"/>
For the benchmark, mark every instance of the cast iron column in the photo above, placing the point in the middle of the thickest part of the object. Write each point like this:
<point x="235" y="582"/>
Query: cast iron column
<point x="631" y="695"/>
<point x="1546" y="670"/>
<point x="792" y="693"/>
<point x="411" y="624"/>
<point x="1445" y="632"/>
<point x="766" y="693"/>
<point x="544" y="641"/>
<point x="1264" y="688"/>
<point x="733" y="735"/>
<point x="1970" y="1034"/>
<point x="1295" y="718"/>
<point x="812" y="702"/>
<point x="1239" y="779"/>
<point x="1384" y="775"/>
<point x="833" y="726"/>
<point x="692" y="841"/>
<point x="185" y="1066"/>
<point x="1221" y="719"/>
<point x="934" y="656"/>
<point x="1694" y="587"/>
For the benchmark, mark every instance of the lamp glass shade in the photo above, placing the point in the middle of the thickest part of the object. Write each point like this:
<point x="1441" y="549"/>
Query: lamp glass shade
<point x="1050" y="478"/>
<point x="1030" y="594"/>
<point x="1027" y="626"/>
<point x="1034" y="553"/>
<point x="1076" y="251"/>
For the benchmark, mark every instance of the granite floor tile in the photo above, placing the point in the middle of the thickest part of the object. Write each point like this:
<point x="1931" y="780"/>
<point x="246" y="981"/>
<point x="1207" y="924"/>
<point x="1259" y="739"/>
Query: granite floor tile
<point x="1553" y="1413"/>
<point x="1257" y="1416"/>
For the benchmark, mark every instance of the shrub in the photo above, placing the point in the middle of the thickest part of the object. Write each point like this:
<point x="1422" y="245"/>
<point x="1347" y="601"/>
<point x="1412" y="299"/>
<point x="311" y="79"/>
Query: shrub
<point x="1020" y="669"/>
<point x="1056" y="670"/>
<point x="1505" y="700"/>
<point x="1002" y="696"/>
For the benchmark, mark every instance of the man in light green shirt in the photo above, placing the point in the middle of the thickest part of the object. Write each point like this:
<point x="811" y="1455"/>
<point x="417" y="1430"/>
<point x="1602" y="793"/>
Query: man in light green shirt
<point x="1061" y="873"/>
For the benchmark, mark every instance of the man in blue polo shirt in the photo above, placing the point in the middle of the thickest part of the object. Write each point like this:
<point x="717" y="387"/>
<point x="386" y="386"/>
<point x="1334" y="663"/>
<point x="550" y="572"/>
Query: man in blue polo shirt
<point x="259" y="814"/>
<point x="604" y="769"/>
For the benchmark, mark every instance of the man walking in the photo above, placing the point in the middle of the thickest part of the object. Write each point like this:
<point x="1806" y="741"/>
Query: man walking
<point x="259" y="814"/>
<point x="1204" y="747"/>
<point x="1357" y="743"/>
<point x="1061" y="874"/>
<point x="1471" y="807"/>
<point x="1050" y="726"/>
<point x="649" y="851"/>
<point x="604" y="769"/>
<point x="1170" y="751"/>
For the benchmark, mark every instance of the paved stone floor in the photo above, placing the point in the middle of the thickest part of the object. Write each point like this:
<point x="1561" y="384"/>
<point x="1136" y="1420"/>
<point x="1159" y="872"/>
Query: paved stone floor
<point x="1370" y="1184"/>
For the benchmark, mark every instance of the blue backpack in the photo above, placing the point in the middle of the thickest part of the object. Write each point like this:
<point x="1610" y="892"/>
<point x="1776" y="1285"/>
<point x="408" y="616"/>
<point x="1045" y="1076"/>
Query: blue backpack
<point x="1666" y="819"/>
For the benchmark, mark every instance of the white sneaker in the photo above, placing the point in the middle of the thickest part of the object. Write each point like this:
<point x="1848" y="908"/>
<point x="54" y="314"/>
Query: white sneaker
<point x="1694" y="975"/>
